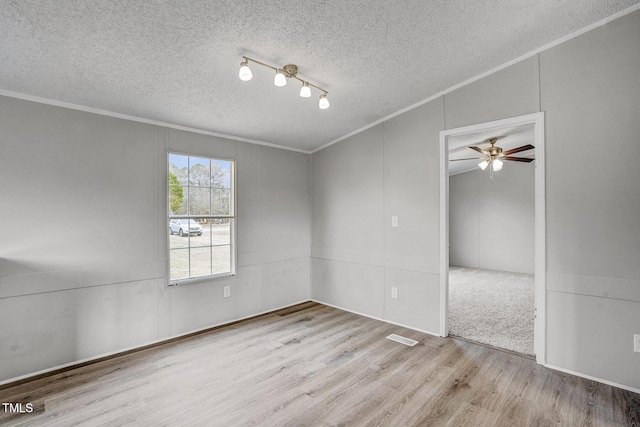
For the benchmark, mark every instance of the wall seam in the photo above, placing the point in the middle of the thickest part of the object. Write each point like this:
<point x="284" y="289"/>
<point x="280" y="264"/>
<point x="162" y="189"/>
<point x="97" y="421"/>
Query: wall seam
<point x="166" y="148"/>
<point x="234" y="230"/>
<point x="310" y="192"/>
<point x="539" y="82"/>
<point x="444" y="112"/>
<point x="157" y="242"/>
<point x="384" y="234"/>
<point x="591" y="295"/>
<point x="261" y="222"/>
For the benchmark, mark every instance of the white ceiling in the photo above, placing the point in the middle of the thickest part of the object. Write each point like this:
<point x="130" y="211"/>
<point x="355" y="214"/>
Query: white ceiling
<point x="509" y="137"/>
<point x="177" y="62"/>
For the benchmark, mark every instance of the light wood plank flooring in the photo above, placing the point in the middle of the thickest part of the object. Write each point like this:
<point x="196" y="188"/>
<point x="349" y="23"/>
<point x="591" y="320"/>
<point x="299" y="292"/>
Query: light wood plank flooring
<point x="313" y="365"/>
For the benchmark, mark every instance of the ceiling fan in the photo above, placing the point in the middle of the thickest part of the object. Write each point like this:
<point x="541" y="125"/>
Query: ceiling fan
<point x="495" y="155"/>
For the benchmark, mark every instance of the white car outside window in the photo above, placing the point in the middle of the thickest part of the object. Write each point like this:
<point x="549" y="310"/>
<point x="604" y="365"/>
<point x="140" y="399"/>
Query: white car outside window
<point x="184" y="227"/>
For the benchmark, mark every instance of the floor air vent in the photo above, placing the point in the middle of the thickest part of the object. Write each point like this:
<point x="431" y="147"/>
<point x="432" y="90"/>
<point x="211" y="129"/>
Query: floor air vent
<point x="402" y="340"/>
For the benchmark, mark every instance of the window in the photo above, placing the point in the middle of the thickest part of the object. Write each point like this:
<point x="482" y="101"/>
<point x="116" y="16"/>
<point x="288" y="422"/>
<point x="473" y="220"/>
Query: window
<point x="201" y="217"/>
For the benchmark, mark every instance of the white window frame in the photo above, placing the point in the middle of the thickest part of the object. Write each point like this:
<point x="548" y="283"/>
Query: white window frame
<point x="232" y="222"/>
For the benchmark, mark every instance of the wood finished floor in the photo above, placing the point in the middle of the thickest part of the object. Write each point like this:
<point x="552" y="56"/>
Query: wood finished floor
<point x="313" y="365"/>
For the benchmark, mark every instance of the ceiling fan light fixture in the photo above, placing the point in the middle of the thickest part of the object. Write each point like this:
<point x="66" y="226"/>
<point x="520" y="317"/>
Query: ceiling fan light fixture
<point x="245" y="72"/>
<point x="280" y="79"/>
<point x="494" y="156"/>
<point x="305" y="90"/>
<point x="323" y="103"/>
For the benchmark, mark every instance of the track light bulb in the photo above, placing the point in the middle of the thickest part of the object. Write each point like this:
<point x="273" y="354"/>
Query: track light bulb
<point x="497" y="165"/>
<point x="483" y="164"/>
<point x="305" y="90"/>
<point x="280" y="79"/>
<point x="324" y="102"/>
<point x="245" y="72"/>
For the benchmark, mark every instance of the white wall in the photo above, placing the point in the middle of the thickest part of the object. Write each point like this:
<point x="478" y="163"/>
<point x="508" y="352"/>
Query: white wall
<point x="589" y="90"/>
<point x="83" y="257"/>
<point x="388" y="170"/>
<point x="492" y="222"/>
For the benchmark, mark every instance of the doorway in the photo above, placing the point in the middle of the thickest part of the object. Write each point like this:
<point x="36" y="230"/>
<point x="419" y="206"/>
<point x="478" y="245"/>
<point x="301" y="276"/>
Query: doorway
<point x="533" y="123"/>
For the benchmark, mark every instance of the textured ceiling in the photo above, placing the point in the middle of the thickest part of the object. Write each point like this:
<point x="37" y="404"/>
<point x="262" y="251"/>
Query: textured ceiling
<point x="178" y="61"/>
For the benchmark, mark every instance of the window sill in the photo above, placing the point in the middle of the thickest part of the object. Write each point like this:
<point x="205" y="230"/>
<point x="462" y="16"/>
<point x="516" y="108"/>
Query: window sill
<point x="180" y="282"/>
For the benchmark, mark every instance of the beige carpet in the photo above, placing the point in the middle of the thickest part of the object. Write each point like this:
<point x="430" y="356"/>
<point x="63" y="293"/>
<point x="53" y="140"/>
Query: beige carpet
<point x="492" y="307"/>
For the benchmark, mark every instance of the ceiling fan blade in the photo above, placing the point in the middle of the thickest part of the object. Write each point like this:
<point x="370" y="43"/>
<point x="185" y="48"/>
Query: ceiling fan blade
<point x="519" y="149"/>
<point x="468" y="158"/>
<point x="518" y="159"/>
<point x="479" y="150"/>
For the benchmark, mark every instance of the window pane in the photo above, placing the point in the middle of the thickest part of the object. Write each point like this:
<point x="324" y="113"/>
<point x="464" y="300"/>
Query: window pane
<point x="221" y="259"/>
<point x="199" y="172"/>
<point x="220" y="201"/>
<point x="205" y="239"/>
<point x="178" y="199"/>
<point x="200" y="233"/>
<point x="221" y="232"/>
<point x="199" y="201"/>
<point x="175" y="240"/>
<point x="179" y="263"/>
<point x="178" y="167"/>
<point x="200" y="261"/>
<point x="221" y="173"/>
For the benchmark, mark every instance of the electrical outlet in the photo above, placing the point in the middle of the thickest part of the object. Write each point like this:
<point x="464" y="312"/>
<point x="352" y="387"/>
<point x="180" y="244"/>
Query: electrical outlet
<point x="394" y="221"/>
<point x="394" y="293"/>
<point x="227" y="291"/>
<point x="636" y="343"/>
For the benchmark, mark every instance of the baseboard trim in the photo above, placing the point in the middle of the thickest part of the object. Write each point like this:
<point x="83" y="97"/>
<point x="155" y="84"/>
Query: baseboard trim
<point x="11" y="382"/>
<point x="376" y="318"/>
<point x="592" y="378"/>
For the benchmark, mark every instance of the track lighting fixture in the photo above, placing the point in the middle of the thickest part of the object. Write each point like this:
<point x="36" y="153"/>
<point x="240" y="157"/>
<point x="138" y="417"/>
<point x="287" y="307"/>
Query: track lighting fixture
<point x="305" y="90"/>
<point x="324" y="102"/>
<point x="280" y="79"/>
<point x="245" y="72"/>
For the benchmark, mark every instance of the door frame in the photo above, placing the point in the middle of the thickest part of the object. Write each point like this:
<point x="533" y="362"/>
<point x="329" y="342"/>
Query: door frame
<point x="537" y="119"/>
